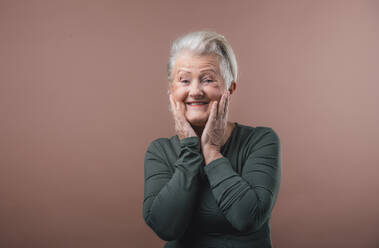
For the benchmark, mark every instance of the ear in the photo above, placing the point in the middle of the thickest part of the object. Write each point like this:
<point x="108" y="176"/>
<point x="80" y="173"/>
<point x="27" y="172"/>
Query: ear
<point x="232" y="87"/>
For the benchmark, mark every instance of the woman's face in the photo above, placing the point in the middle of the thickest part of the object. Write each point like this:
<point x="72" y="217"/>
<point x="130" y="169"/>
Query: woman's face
<point x="197" y="82"/>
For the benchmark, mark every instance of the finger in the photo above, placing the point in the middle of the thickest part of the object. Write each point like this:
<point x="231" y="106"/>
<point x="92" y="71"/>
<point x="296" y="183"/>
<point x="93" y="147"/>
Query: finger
<point x="172" y="103"/>
<point x="182" y="107"/>
<point x="213" y="114"/>
<point x="211" y="118"/>
<point x="177" y="113"/>
<point x="180" y="112"/>
<point x="178" y="106"/>
<point x="227" y="106"/>
<point x="221" y="108"/>
<point x="173" y="111"/>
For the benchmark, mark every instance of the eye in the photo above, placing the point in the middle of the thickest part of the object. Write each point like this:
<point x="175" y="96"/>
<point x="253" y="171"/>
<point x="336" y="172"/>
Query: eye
<point x="185" y="81"/>
<point x="208" y="80"/>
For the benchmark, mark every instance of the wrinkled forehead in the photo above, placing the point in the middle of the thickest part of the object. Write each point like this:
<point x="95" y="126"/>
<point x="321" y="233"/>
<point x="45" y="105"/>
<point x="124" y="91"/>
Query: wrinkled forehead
<point x="191" y="62"/>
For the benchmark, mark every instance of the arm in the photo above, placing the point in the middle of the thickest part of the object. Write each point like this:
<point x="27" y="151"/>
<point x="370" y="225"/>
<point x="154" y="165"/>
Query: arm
<point x="247" y="200"/>
<point x="169" y="199"/>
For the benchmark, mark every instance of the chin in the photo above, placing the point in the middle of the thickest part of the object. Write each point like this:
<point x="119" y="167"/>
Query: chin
<point x="197" y="119"/>
<point x="197" y="122"/>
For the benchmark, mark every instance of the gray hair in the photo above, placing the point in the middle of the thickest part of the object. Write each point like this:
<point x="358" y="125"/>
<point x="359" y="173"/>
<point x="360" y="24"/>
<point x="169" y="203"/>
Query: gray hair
<point x="203" y="43"/>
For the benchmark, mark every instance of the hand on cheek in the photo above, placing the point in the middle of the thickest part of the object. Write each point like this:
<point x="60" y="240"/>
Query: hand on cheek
<point x="182" y="126"/>
<point x="215" y="128"/>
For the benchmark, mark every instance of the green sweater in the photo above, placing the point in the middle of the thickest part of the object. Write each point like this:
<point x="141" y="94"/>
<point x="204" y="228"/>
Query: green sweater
<point x="227" y="203"/>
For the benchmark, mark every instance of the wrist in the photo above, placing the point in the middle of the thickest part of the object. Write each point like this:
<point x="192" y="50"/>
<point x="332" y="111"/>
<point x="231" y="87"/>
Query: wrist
<point x="211" y="154"/>
<point x="183" y="135"/>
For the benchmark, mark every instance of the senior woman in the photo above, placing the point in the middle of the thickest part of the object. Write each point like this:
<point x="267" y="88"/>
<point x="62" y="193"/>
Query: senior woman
<point x="215" y="183"/>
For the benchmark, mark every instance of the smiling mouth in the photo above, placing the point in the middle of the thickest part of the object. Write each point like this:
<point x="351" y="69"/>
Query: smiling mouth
<point x="196" y="104"/>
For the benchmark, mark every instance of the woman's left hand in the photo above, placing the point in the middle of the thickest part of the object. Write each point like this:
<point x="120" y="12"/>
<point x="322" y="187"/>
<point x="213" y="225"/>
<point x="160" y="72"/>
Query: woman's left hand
<point x="215" y="128"/>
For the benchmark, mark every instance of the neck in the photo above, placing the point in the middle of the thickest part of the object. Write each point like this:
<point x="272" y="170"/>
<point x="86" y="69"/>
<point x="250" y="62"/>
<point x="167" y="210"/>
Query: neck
<point x="198" y="130"/>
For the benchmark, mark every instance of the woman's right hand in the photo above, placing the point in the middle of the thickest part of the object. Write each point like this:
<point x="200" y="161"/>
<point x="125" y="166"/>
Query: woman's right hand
<point x="182" y="126"/>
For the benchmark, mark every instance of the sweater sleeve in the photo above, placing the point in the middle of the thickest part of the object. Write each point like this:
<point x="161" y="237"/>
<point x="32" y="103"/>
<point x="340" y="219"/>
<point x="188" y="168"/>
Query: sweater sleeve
<point x="169" y="197"/>
<point x="248" y="200"/>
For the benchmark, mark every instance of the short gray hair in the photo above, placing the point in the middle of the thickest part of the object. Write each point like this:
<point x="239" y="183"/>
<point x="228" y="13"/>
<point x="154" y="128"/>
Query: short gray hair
<point x="204" y="43"/>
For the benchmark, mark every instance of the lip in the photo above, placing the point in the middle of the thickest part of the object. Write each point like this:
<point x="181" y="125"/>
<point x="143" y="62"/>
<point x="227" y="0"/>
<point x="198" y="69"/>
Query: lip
<point x="206" y="102"/>
<point x="197" y="105"/>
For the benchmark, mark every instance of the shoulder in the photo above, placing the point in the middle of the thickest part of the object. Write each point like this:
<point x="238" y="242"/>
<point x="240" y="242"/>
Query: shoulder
<point x="163" y="147"/>
<point x="267" y="133"/>
<point x="261" y="146"/>
<point x="256" y="133"/>
<point x="158" y="144"/>
<point x="253" y="138"/>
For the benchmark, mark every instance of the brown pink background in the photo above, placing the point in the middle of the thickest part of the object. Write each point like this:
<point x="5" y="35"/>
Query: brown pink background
<point x="83" y="93"/>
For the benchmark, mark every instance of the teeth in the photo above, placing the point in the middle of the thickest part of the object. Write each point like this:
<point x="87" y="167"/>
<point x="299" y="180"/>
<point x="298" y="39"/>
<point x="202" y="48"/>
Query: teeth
<point x="197" y="103"/>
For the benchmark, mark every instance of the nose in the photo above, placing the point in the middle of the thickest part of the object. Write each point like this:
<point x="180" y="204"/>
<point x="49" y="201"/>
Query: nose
<point x="196" y="89"/>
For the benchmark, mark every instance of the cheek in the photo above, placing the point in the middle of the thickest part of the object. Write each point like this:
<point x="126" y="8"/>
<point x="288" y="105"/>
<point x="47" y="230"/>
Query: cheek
<point x="214" y="93"/>
<point x="179" y="95"/>
<point x="215" y="97"/>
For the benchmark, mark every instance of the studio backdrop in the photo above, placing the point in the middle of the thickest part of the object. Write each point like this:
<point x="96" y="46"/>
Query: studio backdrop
<point x="83" y="91"/>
